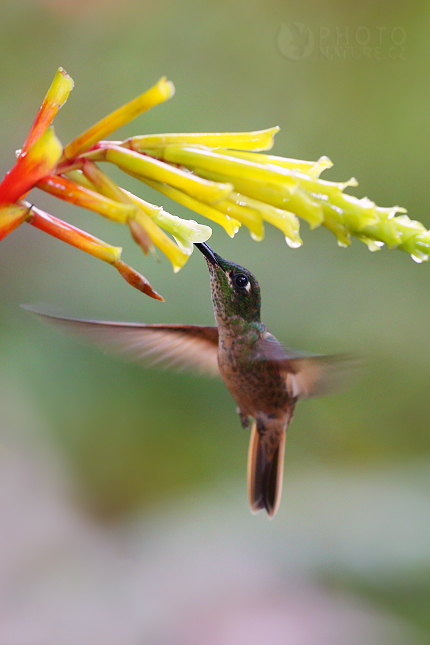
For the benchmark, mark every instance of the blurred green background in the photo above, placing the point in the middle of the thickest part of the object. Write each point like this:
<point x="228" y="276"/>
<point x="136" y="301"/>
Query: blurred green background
<point x="344" y="79"/>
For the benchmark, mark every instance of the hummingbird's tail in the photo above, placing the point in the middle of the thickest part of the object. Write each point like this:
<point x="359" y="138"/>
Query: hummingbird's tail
<point x="265" y="471"/>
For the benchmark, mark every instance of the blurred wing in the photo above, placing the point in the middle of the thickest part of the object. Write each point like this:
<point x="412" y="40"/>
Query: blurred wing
<point x="176" y="346"/>
<point x="319" y="375"/>
<point x="308" y="375"/>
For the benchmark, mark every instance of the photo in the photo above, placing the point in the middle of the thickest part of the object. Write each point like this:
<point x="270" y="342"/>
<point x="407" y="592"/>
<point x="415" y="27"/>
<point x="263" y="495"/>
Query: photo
<point x="214" y="313"/>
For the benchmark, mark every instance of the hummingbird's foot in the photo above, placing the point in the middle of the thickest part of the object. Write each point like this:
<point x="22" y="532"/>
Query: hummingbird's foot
<point x="244" y="419"/>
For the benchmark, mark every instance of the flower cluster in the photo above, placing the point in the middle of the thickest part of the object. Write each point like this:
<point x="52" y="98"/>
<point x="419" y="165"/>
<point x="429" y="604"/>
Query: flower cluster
<point x="225" y="177"/>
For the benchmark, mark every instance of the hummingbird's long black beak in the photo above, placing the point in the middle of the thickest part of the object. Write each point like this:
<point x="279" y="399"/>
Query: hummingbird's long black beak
<point x="208" y="253"/>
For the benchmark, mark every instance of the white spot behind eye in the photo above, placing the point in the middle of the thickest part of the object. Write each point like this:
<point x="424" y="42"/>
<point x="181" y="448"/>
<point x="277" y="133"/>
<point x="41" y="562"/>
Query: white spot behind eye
<point x="233" y="286"/>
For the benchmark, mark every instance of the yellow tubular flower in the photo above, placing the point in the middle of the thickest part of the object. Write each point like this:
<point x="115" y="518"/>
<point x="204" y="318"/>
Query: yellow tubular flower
<point x="136" y="164"/>
<point x="230" y="225"/>
<point x="258" y="140"/>
<point x="159" y="93"/>
<point x="205" y="159"/>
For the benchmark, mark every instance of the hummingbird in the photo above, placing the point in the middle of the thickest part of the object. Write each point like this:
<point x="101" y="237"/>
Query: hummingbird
<point x="265" y="378"/>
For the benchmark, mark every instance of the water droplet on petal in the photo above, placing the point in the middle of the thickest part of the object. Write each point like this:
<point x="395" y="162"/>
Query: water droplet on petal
<point x="256" y="238"/>
<point x="292" y="244"/>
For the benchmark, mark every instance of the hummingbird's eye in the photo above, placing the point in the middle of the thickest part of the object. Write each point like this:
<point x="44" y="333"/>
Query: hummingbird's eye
<point x="240" y="280"/>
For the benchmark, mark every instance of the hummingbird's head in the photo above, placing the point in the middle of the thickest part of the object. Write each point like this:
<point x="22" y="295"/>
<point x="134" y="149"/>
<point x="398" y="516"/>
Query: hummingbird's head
<point x="235" y="291"/>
